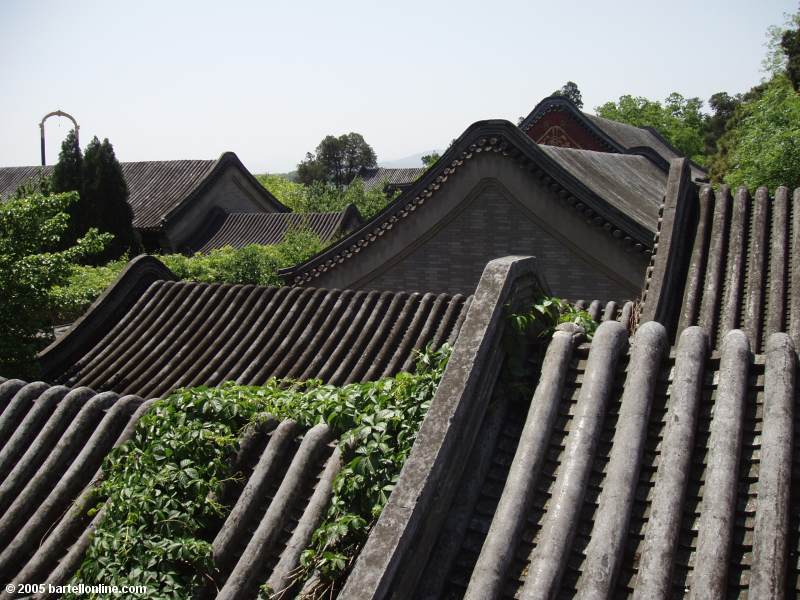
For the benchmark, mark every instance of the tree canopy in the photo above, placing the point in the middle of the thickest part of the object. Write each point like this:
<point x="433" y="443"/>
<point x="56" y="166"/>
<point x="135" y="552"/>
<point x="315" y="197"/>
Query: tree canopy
<point x="105" y="195"/>
<point x="30" y="265"/>
<point x="337" y="160"/>
<point x="570" y="90"/>
<point x="678" y="119"/>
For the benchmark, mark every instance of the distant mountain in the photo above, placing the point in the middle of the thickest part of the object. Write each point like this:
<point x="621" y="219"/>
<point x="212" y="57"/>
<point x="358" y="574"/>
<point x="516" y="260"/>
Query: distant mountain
<point x="415" y="160"/>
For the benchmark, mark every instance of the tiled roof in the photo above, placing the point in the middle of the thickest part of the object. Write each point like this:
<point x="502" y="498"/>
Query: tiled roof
<point x="53" y="441"/>
<point x="742" y="266"/>
<point x="623" y="480"/>
<point x="396" y="178"/>
<point x="618" y="137"/>
<point x="597" y="185"/>
<point x="156" y="188"/>
<point x="241" y="229"/>
<point x="181" y="334"/>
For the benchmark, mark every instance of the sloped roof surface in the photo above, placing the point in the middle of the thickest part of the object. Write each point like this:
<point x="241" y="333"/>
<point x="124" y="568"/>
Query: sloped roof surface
<point x="240" y="229"/>
<point x="629" y="182"/>
<point x="744" y="269"/>
<point x="593" y="183"/>
<point x="630" y="136"/>
<point x="53" y="441"/>
<point x="181" y="334"/>
<point x="607" y="489"/>
<point x="617" y="136"/>
<point x="386" y="176"/>
<point x="156" y="187"/>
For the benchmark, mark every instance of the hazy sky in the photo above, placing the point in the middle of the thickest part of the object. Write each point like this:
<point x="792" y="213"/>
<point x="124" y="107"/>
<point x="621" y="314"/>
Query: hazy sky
<point x="190" y="79"/>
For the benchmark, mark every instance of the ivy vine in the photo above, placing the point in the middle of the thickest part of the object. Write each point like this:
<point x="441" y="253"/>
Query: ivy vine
<point x="159" y="491"/>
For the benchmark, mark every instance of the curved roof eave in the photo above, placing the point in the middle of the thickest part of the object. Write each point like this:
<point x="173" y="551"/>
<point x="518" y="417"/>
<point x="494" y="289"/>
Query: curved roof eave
<point x="497" y="135"/>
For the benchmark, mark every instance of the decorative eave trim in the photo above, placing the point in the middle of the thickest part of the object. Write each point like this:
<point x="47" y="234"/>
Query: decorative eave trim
<point x="561" y="104"/>
<point x="496" y="137"/>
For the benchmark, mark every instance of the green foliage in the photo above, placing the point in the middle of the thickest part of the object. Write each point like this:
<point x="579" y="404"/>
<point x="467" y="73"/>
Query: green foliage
<point x="30" y="231"/>
<point x="546" y="314"/>
<point x="104" y="198"/>
<point x="325" y="197"/>
<point x="253" y="264"/>
<point x="790" y="43"/>
<point x="678" y="119"/>
<point x="68" y="172"/>
<point x="428" y="160"/>
<point x="337" y="160"/>
<point x="257" y="265"/>
<point x="38" y="185"/>
<point x="160" y="490"/>
<point x="70" y="299"/>
<point x="761" y="145"/>
<point x="779" y="55"/>
<point x="571" y="91"/>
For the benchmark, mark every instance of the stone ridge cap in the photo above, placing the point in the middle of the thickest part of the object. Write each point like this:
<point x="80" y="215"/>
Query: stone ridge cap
<point x="497" y="136"/>
<point x="132" y="281"/>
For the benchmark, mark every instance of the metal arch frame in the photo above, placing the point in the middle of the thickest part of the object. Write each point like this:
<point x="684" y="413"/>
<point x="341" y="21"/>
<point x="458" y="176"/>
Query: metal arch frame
<point x="57" y="113"/>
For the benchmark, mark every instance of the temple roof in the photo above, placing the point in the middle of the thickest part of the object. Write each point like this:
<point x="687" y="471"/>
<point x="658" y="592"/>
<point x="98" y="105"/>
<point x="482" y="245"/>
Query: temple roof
<point x="149" y="334"/>
<point x="241" y="229"/>
<point x="620" y="192"/>
<point x="53" y="441"/>
<point x="158" y="189"/>
<point x="393" y="178"/>
<point x="616" y="136"/>
<point x="740" y="269"/>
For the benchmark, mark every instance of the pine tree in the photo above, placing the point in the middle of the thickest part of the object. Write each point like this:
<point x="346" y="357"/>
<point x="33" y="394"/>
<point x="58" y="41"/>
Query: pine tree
<point x="104" y="196"/>
<point x="67" y="174"/>
<point x="68" y="177"/>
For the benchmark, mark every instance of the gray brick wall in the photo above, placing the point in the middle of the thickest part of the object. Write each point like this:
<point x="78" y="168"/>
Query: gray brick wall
<point x="491" y="227"/>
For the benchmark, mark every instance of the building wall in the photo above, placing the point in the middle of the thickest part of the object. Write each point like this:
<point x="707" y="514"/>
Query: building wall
<point x="489" y="209"/>
<point x="492" y="226"/>
<point x="231" y="191"/>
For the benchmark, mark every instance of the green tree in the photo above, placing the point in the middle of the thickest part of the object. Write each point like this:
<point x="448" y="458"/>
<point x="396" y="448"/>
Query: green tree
<point x="428" y="160"/>
<point x="570" y="91"/>
<point x="68" y="177"/>
<point x="104" y="197"/>
<point x="790" y="43"/>
<point x="68" y="172"/>
<point x="320" y="196"/>
<point x="337" y="160"/>
<point x="30" y="265"/>
<point x="678" y="119"/>
<point x="761" y="145"/>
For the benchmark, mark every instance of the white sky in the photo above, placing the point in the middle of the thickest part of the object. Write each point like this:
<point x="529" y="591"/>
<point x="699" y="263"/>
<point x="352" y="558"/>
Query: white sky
<point x="183" y="79"/>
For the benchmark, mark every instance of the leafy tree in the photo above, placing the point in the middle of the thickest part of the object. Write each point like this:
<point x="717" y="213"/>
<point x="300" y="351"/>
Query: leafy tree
<point x="678" y="119"/>
<point x="777" y="57"/>
<point x="790" y="43"/>
<point x="30" y="265"/>
<point x="429" y="159"/>
<point x="104" y="197"/>
<point x="337" y="160"/>
<point x="762" y="143"/>
<point x="570" y="91"/>
<point x="325" y="197"/>
<point x="723" y="107"/>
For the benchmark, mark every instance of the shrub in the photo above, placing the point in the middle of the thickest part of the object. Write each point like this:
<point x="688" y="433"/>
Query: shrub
<point x="30" y="229"/>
